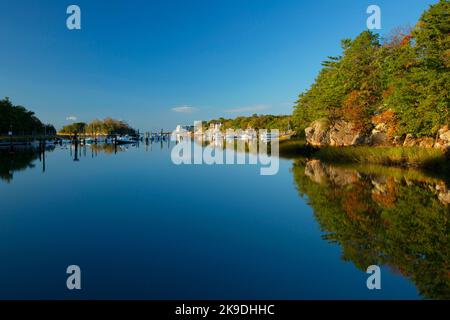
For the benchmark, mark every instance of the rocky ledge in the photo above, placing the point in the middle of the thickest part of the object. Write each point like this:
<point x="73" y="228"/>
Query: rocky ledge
<point x="342" y="133"/>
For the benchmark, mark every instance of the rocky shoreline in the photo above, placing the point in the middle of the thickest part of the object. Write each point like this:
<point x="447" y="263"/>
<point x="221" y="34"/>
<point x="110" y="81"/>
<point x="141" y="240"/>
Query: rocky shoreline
<point x="341" y="133"/>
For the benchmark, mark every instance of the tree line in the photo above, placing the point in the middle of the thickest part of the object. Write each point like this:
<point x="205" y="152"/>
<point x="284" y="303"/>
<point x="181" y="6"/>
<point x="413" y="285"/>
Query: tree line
<point x="20" y="121"/>
<point x="403" y="79"/>
<point x="282" y="123"/>
<point x="107" y="126"/>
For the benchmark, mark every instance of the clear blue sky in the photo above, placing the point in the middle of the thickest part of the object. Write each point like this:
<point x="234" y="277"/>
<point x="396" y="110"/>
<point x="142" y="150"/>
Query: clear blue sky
<point x="138" y="60"/>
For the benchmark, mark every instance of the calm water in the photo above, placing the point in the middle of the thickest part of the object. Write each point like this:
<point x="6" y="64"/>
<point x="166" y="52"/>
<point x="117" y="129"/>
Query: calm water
<point x="141" y="227"/>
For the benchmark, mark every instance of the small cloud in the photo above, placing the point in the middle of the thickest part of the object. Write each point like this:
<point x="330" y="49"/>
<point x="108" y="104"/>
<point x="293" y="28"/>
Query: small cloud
<point x="184" y="109"/>
<point x="257" y="108"/>
<point x="71" y="118"/>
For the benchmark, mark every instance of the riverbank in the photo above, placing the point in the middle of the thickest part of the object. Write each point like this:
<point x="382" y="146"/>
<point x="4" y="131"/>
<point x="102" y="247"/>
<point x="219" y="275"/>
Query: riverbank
<point x="427" y="159"/>
<point x="23" y="140"/>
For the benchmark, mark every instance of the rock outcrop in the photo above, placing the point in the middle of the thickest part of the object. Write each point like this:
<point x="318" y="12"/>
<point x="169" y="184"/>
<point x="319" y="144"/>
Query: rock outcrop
<point x="317" y="134"/>
<point x="409" y="141"/>
<point x="343" y="133"/>
<point x="378" y="136"/>
<point x="443" y="141"/>
<point x="340" y="134"/>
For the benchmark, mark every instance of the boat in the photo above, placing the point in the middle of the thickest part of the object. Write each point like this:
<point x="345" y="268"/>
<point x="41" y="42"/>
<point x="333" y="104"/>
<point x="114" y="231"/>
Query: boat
<point x="269" y="136"/>
<point x="89" y="141"/>
<point x="248" y="135"/>
<point x="125" y="140"/>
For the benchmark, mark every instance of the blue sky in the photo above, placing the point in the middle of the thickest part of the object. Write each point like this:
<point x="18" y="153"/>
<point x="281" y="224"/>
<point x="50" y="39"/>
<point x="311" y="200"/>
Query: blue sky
<point x="159" y="63"/>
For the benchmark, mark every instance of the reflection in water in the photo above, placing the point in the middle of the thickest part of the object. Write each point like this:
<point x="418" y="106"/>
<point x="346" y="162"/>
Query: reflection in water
<point x="378" y="215"/>
<point x="383" y="216"/>
<point x="20" y="159"/>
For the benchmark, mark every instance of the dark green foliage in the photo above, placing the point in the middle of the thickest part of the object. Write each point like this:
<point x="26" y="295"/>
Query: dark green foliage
<point x="20" y="120"/>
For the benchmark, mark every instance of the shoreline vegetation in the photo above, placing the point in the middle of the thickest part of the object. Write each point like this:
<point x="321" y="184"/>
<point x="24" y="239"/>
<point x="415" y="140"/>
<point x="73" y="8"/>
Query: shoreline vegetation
<point x="428" y="160"/>
<point x="391" y="91"/>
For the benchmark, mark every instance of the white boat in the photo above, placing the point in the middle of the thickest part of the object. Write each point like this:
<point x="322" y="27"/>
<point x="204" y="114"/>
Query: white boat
<point x="269" y="136"/>
<point x="125" y="140"/>
<point x="248" y="136"/>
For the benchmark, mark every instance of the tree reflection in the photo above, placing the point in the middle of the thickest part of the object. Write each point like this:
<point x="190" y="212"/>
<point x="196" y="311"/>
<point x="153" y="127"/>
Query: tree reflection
<point x="18" y="160"/>
<point x="383" y="216"/>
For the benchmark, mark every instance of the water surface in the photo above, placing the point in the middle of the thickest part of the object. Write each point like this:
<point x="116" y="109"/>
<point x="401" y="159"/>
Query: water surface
<point x="141" y="227"/>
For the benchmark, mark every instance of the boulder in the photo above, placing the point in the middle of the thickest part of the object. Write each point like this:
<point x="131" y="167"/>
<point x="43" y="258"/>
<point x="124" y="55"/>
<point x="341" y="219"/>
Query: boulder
<point x="443" y="141"/>
<point x="426" y="142"/>
<point x="409" y="141"/>
<point x="444" y="134"/>
<point x="397" y="141"/>
<point x="379" y="136"/>
<point x="317" y="133"/>
<point x="344" y="134"/>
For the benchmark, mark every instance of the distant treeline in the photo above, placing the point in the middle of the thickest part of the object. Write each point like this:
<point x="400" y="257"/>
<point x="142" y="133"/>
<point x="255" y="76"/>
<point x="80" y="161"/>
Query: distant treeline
<point x="404" y="79"/>
<point x="21" y="121"/>
<point x="107" y="126"/>
<point x="282" y="123"/>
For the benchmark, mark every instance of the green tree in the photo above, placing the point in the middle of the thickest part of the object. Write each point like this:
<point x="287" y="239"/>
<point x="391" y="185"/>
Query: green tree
<point x="408" y="76"/>
<point x="418" y="74"/>
<point x="19" y="120"/>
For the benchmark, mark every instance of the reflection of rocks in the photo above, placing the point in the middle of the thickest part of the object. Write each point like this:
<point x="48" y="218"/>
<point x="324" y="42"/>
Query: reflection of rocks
<point x="383" y="187"/>
<point x="383" y="216"/>
<point x="443" y="193"/>
<point x="321" y="173"/>
<point x="315" y="171"/>
<point x="379" y="184"/>
<point x="384" y="192"/>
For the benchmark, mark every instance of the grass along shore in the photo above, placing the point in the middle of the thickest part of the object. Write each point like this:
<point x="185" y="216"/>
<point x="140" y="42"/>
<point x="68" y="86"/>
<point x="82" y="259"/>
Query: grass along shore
<point x="429" y="159"/>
